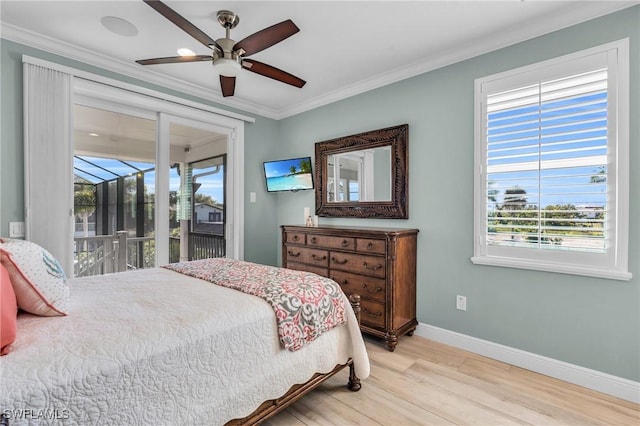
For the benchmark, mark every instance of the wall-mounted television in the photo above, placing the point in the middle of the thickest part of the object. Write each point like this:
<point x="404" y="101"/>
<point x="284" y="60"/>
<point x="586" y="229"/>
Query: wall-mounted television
<point x="293" y="174"/>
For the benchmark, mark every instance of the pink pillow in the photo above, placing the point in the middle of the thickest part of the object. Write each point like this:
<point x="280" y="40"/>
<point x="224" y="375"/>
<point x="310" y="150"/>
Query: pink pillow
<point x="36" y="276"/>
<point x="8" y="312"/>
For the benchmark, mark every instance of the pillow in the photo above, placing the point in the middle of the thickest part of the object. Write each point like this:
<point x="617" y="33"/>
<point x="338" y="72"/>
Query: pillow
<point x="36" y="276"/>
<point x="8" y="312"/>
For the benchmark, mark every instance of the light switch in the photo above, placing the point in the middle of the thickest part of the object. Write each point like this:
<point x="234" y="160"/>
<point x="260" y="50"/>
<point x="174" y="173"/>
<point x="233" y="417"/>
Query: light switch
<point x="16" y="229"/>
<point x="252" y="197"/>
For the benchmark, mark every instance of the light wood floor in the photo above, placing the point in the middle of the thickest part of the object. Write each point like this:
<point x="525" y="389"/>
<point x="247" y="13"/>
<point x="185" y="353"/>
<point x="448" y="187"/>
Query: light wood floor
<point x="427" y="383"/>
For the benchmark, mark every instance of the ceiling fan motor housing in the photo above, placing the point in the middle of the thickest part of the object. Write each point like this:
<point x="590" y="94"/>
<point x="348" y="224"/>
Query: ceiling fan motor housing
<point x="228" y="62"/>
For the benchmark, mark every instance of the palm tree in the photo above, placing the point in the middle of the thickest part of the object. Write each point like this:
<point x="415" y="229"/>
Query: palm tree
<point x="600" y="176"/>
<point x="305" y="166"/>
<point x="84" y="203"/>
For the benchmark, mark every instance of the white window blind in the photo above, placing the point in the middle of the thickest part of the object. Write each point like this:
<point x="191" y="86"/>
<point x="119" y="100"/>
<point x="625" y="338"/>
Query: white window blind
<point x="551" y="189"/>
<point x="547" y="164"/>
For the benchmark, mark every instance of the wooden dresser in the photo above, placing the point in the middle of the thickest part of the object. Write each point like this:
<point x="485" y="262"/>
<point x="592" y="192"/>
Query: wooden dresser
<point x="379" y="264"/>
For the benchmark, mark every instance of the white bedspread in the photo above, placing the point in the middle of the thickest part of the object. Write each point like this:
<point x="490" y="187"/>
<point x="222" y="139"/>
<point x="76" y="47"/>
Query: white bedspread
<point x="157" y="347"/>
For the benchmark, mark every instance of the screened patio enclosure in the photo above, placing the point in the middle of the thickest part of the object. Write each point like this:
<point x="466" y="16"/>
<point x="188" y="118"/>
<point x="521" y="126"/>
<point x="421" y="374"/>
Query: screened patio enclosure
<point x="114" y="206"/>
<point x="115" y="197"/>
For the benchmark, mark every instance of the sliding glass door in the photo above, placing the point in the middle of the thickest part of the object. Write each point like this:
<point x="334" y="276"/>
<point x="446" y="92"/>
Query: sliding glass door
<point x="149" y="189"/>
<point x="197" y="182"/>
<point x="114" y="191"/>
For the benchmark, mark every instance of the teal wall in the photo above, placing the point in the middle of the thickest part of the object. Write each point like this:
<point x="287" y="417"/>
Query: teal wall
<point x="260" y="141"/>
<point x="589" y="322"/>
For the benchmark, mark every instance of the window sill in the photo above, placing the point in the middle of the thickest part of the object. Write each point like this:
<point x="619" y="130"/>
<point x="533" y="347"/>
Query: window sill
<point x="552" y="267"/>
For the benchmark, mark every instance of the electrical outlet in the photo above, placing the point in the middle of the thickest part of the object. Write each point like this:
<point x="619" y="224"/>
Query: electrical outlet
<point x="461" y="303"/>
<point x="16" y="229"/>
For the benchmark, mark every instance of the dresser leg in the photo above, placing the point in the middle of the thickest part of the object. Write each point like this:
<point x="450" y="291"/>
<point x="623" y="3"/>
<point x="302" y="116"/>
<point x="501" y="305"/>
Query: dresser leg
<point x="410" y="332"/>
<point x="392" y="340"/>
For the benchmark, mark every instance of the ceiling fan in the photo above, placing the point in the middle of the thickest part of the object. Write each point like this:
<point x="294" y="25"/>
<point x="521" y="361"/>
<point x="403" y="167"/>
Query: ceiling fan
<point x="228" y="56"/>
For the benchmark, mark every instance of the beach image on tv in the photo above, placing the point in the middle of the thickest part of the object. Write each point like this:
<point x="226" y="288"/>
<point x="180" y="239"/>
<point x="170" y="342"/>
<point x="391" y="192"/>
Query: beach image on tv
<point x="288" y="175"/>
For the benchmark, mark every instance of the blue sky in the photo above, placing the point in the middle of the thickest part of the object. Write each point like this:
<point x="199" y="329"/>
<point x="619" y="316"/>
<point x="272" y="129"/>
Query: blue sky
<point x="282" y="167"/>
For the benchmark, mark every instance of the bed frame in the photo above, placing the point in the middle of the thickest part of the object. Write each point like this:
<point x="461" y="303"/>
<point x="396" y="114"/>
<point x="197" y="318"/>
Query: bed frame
<point x="272" y="407"/>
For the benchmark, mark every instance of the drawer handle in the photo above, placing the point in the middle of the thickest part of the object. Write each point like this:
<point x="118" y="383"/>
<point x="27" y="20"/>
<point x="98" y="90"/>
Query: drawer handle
<point x="372" y="268"/>
<point x="373" y="314"/>
<point x="369" y="245"/>
<point x="344" y="243"/>
<point x="313" y="240"/>
<point x="292" y="254"/>
<point x="295" y="238"/>
<point x="339" y="262"/>
<point x="376" y="290"/>
<point x="344" y="281"/>
<point x="316" y="257"/>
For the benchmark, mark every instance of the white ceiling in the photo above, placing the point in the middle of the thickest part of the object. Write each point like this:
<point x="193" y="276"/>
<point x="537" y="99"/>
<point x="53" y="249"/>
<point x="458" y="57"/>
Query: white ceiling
<point x="343" y="48"/>
<point x="102" y="133"/>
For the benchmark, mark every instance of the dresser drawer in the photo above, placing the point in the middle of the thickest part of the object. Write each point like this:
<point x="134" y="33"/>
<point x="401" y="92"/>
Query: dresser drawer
<point x="366" y="245"/>
<point x="372" y="313"/>
<point x="308" y="268"/>
<point x="367" y="287"/>
<point x="294" y="238"/>
<point x="309" y="256"/>
<point x="360" y="264"/>
<point x="331" y="242"/>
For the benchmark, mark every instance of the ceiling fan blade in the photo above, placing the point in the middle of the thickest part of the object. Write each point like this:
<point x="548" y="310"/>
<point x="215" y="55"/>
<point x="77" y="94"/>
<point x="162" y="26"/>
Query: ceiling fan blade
<point x="174" y="59"/>
<point x="182" y="23"/>
<point x="228" y="85"/>
<point x="267" y="37"/>
<point x="272" y="72"/>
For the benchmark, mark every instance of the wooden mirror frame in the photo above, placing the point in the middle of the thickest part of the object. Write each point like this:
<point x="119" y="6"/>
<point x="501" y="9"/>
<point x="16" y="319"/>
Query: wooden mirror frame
<point x="398" y="208"/>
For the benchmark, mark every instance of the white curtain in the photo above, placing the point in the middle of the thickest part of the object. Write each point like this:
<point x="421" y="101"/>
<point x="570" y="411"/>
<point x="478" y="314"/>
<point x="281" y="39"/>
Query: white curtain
<point x="48" y="161"/>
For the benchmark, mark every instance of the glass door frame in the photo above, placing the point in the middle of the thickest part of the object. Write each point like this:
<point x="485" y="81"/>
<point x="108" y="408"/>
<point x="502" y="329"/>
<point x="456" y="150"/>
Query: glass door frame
<point x="97" y="95"/>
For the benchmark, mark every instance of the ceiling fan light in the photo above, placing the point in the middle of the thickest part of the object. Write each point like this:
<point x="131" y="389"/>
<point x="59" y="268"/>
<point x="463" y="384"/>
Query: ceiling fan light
<point x="186" y="52"/>
<point x="227" y="67"/>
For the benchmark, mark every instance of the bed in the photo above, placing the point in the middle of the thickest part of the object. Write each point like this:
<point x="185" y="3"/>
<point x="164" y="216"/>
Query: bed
<point x="159" y="347"/>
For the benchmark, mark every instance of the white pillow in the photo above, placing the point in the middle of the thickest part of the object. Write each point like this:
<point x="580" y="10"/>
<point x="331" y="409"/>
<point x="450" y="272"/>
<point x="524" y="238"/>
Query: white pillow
<point x="36" y="276"/>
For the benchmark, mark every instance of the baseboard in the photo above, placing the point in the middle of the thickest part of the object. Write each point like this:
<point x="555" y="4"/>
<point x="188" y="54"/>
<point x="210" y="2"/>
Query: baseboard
<point x="592" y="379"/>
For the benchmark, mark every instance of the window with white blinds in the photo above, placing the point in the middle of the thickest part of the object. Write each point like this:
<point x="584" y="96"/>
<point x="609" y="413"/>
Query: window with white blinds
<point x="552" y="166"/>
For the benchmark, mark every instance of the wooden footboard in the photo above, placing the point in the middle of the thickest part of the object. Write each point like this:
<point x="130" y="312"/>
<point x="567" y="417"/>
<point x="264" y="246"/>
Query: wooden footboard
<point x="272" y="407"/>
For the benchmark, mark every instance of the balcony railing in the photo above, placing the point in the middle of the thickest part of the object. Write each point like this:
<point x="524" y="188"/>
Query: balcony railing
<point x="101" y="254"/>
<point x="205" y="246"/>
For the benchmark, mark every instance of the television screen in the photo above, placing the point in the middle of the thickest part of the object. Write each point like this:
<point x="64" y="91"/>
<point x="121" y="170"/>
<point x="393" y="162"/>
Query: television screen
<point x="293" y="174"/>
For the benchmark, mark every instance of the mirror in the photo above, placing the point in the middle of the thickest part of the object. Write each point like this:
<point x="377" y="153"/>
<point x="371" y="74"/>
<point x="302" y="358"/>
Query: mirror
<point x="363" y="175"/>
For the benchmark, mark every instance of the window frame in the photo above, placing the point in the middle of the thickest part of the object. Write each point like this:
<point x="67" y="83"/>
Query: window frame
<point x="614" y="263"/>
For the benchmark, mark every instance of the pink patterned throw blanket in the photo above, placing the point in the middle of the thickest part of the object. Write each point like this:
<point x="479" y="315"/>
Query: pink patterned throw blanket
<point x="306" y="305"/>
